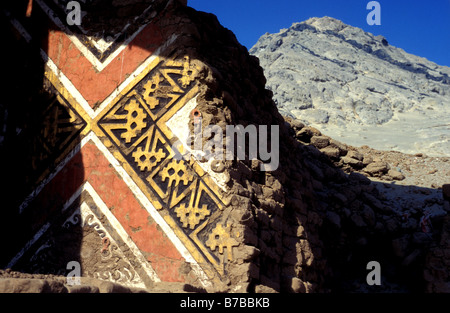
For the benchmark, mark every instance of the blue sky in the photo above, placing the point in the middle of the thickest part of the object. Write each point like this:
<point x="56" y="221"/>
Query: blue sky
<point x="418" y="27"/>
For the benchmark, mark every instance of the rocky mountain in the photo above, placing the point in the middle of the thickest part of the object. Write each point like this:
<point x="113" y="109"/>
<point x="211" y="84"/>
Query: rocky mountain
<point x="356" y="87"/>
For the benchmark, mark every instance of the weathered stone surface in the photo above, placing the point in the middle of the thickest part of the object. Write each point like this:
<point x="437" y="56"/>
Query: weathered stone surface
<point x="320" y="141"/>
<point x="355" y="155"/>
<point x="334" y="219"/>
<point x="335" y="91"/>
<point x="83" y="289"/>
<point x="361" y="179"/>
<point x="367" y="160"/>
<point x="264" y="289"/>
<point x="396" y="175"/>
<point x="23" y="285"/>
<point x="352" y="162"/>
<point x="331" y="152"/>
<point x="343" y="148"/>
<point x="377" y="168"/>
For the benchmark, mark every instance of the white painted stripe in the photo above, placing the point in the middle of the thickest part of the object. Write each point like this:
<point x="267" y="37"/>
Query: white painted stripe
<point x="18" y="26"/>
<point x="79" y="97"/>
<point x="43" y="229"/>
<point x="92" y="114"/>
<point x="68" y="84"/>
<point x="28" y="245"/>
<point x="137" y="193"/>
<point x="136" y="73"/>
<point x="100" y="66"/>
<point x="60" y="166"/>
<point x="91" y="136"/>
<point x="88" y="54"/>
<point x="111" y="219"/>
<point x="85" y="212"/>
<point x="64" y="80"/>
<point x="153" y="212"/>
<point x="121" y="231"/>
<point x="102" y="45"/>
<point x="113" y="55"/>
<point x="74" y="91"/>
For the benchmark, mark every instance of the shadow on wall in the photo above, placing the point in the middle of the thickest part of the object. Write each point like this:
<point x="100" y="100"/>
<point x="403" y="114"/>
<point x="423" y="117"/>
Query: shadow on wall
<point x="348" y="221"/>
<point x="385" y="231"/>
<point x="52" y="213"/>
<point x="39" y="129"/>
<point x="315" y="228"/>
<point x="45" y="204"/>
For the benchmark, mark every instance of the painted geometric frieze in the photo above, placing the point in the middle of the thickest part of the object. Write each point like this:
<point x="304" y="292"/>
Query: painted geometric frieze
<point x="57" y="130"/>
<point x="135" y="130"/>
<point x="100" y="49"/>
<point x="88" y="233"/>
<point x="122" y="192"/>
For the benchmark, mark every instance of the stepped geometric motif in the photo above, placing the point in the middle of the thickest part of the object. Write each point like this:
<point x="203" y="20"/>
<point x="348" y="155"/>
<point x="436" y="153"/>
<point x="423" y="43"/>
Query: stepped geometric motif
<point x="126" y="128"/>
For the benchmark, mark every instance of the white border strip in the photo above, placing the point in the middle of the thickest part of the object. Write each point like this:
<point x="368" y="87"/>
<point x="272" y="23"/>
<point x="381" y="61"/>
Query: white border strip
<point x="153" y="212"/>
<point x="63" y="78"/>
<point x="121" y="231"/>
<point x="60" y="166"/>
<point x="88" y="54"/>
<point x="74" y="91"/>
<point x="137" y="193"/>
<point x="28" y="245"/>
<point x="179" y="125"/>
<point x="18" y="26"/>
<point x="100" y="66"/>
<point x="111" y="219"/>
<point x="68" y="84"/>
<point x="133" y="75"/>
<point x="79" y="97"/>
<point x="91" y="136"/>
<point x="42" y="230"/>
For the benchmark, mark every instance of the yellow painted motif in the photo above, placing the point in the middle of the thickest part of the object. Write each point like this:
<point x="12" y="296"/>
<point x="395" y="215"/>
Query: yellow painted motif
<point x="176" y="171"/>
<point x="147" y="160"/>
<point x="191" y="215"/>
<point x="221" y="238"/>
<point x="133" y="127"/>
<point x="135" y="120"/>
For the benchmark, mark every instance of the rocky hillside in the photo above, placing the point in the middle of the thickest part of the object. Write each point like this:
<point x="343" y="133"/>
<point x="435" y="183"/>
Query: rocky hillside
<point x="357" y="88"/>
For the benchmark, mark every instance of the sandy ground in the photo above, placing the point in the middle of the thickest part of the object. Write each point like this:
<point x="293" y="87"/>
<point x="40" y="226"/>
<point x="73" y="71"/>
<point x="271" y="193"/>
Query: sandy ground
<point x="409" y="132"/>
